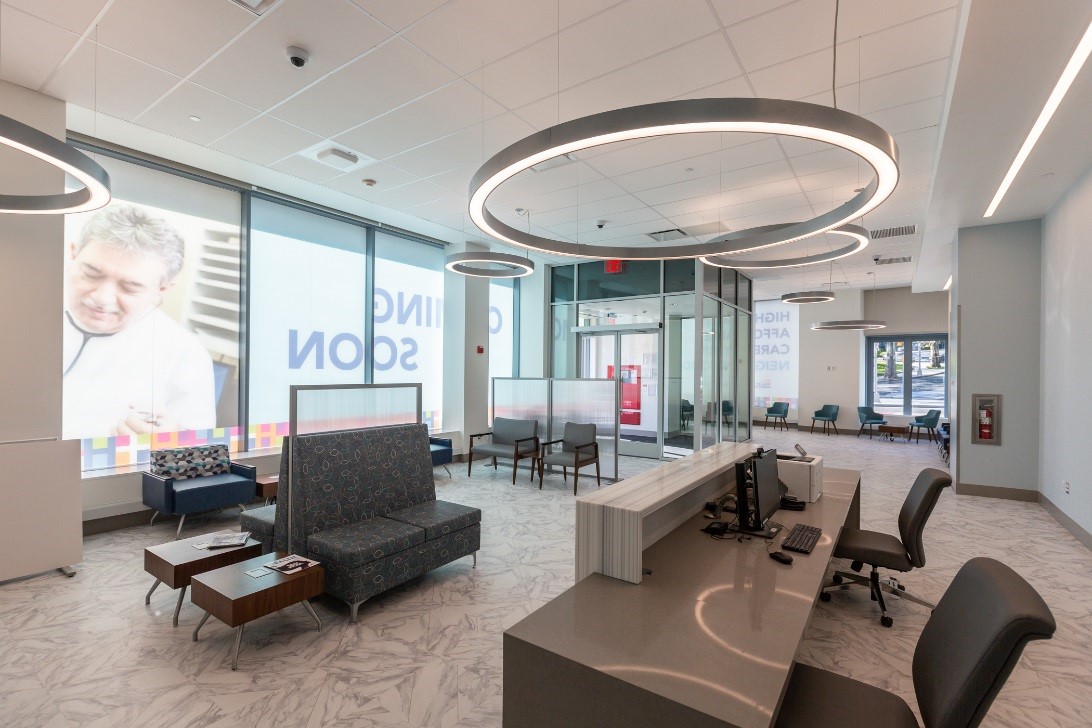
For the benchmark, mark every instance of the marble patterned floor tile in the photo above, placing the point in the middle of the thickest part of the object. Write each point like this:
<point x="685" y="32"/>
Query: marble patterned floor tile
<point x="87" y="651"/>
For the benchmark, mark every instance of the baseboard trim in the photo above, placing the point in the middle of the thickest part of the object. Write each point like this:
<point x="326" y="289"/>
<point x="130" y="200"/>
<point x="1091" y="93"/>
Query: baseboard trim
<point x="1066" y="522"/>
<point x="993" y="491"/>
<point x="116" y="523"/>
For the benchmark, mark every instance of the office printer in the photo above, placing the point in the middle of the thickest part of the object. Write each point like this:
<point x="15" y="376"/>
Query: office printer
<point x="802" y="474"/>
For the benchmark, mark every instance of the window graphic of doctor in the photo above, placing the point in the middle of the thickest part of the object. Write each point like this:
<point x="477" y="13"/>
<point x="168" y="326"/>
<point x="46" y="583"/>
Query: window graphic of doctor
<point x="128" y="367"/>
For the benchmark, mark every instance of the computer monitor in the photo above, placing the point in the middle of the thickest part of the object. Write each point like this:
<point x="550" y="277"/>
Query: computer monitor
<point x="757" y="493"/>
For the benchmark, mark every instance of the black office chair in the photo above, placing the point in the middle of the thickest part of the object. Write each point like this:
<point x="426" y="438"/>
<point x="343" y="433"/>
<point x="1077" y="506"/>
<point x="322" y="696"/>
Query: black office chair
<point x="884" y="550"/>
<point x="967" y="650"/>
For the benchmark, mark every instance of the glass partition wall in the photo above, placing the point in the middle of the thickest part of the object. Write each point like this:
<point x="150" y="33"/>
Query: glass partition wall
<point x="675" y="338"/>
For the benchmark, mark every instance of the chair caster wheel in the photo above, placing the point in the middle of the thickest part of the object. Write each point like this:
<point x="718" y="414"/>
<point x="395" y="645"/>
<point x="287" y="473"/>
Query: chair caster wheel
<point x="900" y="587"/>
<point x="856" y="565"/>
<point x="824" y="596"/>
<point x="837" y="579"/>
<point x="886" y="621"/>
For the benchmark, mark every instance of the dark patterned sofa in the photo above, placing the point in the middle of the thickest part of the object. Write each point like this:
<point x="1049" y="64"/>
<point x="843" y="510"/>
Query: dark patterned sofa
<point x="185" y="480"/>
<point x="364" y="504"/>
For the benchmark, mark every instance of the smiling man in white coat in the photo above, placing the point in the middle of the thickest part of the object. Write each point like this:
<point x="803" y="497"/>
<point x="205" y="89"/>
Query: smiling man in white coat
<point x="128" y="367"/>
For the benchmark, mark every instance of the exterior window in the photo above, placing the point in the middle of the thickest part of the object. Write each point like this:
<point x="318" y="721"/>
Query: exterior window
<point x="908" y="375"/>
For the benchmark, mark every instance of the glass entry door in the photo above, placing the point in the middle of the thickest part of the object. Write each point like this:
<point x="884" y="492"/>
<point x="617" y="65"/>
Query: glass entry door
<point x="632" y="359"/>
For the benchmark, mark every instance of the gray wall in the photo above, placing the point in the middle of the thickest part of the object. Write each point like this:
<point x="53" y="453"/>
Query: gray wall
<point x="997" y="294"/>
<point x="1066" y="340"/>
<point x="831" y="362"/>
<point x="906" y="312"/>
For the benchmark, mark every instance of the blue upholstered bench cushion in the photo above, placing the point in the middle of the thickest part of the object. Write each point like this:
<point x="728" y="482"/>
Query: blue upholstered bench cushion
<point x="259" y="521"/>
<point x="360" y="543"/>
<point x="438" y="518"/>
<point x="210" y="492"/>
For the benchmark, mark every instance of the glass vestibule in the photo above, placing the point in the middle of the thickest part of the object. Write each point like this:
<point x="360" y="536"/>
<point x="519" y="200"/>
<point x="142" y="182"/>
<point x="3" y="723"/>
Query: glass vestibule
<point x="631" y="358"/>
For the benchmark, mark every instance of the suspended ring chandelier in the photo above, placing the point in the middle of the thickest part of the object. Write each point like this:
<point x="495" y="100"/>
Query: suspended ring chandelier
<point x="859" y="235"/>
<point x="808" y="297"/>
<point x="690" y="116"/>
<point x="477" y="264"/>
<point x="850" y="325"/>
<point x="96" y="182"/>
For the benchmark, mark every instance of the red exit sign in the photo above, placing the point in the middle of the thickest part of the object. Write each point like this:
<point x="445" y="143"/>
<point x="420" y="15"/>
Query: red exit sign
<point x="613" y="266"/>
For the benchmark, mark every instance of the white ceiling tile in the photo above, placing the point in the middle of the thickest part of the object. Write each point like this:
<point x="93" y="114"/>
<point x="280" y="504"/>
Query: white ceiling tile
<point x="529" y="183"/>
<point x="909" y="44"/>
<point x="121" y="86"/>
<point x="739" y="157"/>
<point x="916" y="115"/>
<point x="219" y="114"/>
<point x="72" y="15"/>
<point x="339" y="101"/>
<point x="463" y="147"/>
<point x="307" y="169"/>
<point x="721" y="205"/>
<point x="832" y="158"/>
<point x="629" y="32"/>
<point x="574" y="11"/>
<point x="827" y="198"/>
<point x="736" y="88"/>
<point x="775" y="204"/>
<point x="386" y="177"/>
<point x="265" y="140"/>
<point x="919" y="162"/>
<point x="918" y="140"/>
<point x="864" y="17"/>
<point x="414" y="193"/>
<point x="784" y="33"/>
<point x="835" y="178"/>
<point x="798" y="146"/>
<point x="618" y="160"/>
<point x="30" y="48"/>
<point x="174" y="36"/>
<point x="734" y="11"/>
<point x="910" y="84"/>
<point x="399" y="15"/>
<point x="464" y="34"/>
<point x="442" y="112"/>
<point x="527" y="75"/>
<point x="772" y="173"/>
<point x="443" y="207"/>
<point x="679" y="191"/>
<point x="808" y="75"/>
<point x="255" y="68"/>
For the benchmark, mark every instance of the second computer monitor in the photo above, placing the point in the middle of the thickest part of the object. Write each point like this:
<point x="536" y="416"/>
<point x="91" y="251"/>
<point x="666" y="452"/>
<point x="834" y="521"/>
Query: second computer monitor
<point x="767" y="494"/>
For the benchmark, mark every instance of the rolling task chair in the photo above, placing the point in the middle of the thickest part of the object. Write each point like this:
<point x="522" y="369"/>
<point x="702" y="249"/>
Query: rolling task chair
<point x="967" y="650"/>
<point x="884" y="550"/>
<point x="828" y="415"/>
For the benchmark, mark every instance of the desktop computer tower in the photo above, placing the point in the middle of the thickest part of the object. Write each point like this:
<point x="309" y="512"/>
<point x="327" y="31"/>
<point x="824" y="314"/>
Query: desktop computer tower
<point x="803" y="476"/>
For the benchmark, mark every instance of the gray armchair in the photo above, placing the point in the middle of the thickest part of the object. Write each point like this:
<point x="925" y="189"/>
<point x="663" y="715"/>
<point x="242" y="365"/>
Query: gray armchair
<point x="578" y="449"/>
<point x="967" y="650"/>
<point x="511" y="439"/>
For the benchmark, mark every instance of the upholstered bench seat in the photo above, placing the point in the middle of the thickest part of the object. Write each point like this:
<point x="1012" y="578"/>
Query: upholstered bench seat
<point x="210" y="492"/>
<point x="359" y="543"/>
<point x="259" y="521"/>
<point x="438" y="518"/>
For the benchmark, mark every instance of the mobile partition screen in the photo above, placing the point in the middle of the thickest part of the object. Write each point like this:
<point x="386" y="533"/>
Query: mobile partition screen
<point x="553" y="402"/>
<point x="314" y="408"/>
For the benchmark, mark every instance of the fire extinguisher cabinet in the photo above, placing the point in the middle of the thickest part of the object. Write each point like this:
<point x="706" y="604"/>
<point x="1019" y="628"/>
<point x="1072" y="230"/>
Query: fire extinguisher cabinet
<point x="986" y="411"/>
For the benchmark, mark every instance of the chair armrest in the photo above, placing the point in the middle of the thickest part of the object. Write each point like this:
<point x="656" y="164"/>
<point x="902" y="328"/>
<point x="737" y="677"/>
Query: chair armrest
<point x="443" y="441"/>
<point x="516" y="443"/>
<point x="546" y="445"/>
<point x="158" y="493"/>
<point x="247" y="471"/>
<point x="480" y="434"/>
<point x="594" y="445"/>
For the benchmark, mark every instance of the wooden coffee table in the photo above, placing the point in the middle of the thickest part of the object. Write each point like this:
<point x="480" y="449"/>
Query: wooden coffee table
<point x="267" y="487"/>
<point x="888" y="432"/>
<point x="235" y="598"/>
<point x="177" y="562"/>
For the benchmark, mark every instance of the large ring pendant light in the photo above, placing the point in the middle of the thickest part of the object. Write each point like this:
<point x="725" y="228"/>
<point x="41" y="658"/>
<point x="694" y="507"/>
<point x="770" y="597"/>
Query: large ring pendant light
<point x="479" y="265"/>
<point x="95" y="180"/>
<point x="690" y="116"/>
<point x="859" y="235"/>
<point x="808" y="297"/>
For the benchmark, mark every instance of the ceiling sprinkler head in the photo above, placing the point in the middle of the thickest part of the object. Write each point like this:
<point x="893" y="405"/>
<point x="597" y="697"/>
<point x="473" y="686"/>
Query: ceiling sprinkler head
<point x="369" y="181"/>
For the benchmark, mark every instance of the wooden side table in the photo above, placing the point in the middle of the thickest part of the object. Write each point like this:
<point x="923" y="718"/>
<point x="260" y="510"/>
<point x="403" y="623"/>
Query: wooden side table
<point x="266" y="487"/>
<point x="235" y="598"/>
<point x="888" y="432"/>
<point x="177" y="562"/>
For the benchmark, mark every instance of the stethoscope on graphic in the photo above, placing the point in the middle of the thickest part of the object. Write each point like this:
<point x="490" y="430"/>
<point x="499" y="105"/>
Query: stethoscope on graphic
<point x="87" y="336"/>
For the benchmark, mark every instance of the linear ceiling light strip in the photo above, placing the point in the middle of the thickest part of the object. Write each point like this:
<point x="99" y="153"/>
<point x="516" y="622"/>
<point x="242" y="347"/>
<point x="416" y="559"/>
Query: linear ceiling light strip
<point x="53" y="151"/>
<point x="1076" y="62"/>
<point x="762" y="116"/>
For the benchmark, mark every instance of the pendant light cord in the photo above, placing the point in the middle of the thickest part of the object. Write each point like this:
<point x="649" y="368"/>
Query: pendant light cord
<point x="834" y="67"/>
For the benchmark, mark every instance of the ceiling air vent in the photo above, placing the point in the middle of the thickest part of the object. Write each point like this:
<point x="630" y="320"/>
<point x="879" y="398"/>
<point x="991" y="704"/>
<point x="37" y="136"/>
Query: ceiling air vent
<point x="889" y="261"/>
<point x="894" y="232"/>
<point x="255" y="6"/>
<point x="706" y="228"/>
<point x="664" y="236"/>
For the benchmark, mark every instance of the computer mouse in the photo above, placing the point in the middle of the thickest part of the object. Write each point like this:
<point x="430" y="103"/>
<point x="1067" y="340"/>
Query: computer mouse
<point x="781" y="556"/>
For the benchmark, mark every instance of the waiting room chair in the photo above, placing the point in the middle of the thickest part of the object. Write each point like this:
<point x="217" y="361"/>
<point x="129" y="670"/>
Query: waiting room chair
<point x="778" y="411"/>
<point x="185" y="480"/>
<point x="969" y="646"/>
<point x="869" y="417"/>
<point x="514" y="439"/>
<point x="884" y="550"/>
<point x="828" y="415"/>
<point x="579" y="448"/>
<point x="726" y="411"/>
<point x="686" y="412"/>
<point x="928" y="422"/>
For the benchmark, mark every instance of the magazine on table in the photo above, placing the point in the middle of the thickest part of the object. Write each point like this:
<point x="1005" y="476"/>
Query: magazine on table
<point x="227" y="540"/>
<point x="290" y="564"/>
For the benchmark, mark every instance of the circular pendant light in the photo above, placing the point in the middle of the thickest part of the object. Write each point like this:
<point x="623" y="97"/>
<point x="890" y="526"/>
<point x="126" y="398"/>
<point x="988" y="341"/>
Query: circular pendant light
<point x="481" y="265"/>
<point x="95" y="180"/>
<point x="849" y="325"/>
<point x="858" y="234"/>
<point x="690" y="116"/>
<point x="808" y="297"/>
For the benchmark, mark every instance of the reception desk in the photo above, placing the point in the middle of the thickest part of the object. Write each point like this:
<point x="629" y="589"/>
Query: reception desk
<point x="708" y="638"/>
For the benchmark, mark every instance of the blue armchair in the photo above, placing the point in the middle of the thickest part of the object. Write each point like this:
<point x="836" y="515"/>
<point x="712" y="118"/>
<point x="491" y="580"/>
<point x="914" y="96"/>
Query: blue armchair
<point x="869" y="417"/>
<point x="828" y="415"/>
<point x="441" y="450"/>
<point x="927" y="422"/>
<point x="189" y="480"/>
<point x="778" y="411"/>
<point x="726" y="411"/>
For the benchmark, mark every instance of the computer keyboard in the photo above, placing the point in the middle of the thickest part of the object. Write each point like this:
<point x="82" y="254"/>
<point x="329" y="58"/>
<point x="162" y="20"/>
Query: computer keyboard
<point x="802" y="538"/>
